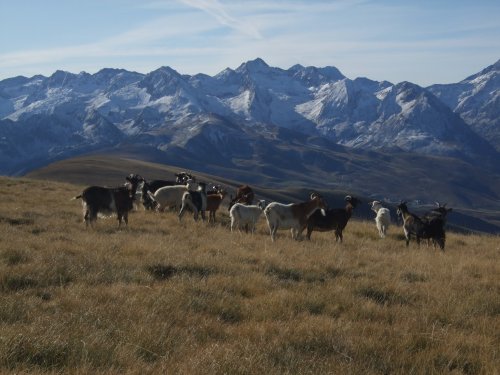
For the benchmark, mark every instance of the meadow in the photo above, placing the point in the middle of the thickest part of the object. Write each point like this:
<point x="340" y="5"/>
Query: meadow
<point x="163" y="297"/>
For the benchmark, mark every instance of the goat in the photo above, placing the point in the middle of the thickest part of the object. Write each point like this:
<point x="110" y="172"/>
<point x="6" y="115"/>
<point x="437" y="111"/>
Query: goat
<point x="105" y="201"/>
<point x="214" y="190"/>
<point x="171" y="196"/>
<point x="196" y="201"/>
<point x="334" y="219"/>
<point x="182" y="178"/>
<point x="246" y="215"/>
<point x="151" y="187"/>
<point x="292" y="216"/>
<point x="421" y="229"/>
<point x="439" y="211"/>
<point x="244" y="195"/>
<point x="383" y="218"/>
<point x="213" y="203"/>
<point x="147" y="189"/>
<point x="144" y="193"/>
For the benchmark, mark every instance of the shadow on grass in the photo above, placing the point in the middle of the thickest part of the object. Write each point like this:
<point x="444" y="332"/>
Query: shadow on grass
<point x="383" y="297"/>
<point x="164" y="272"/>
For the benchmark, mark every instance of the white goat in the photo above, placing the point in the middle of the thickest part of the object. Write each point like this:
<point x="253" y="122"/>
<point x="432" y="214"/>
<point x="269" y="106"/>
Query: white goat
<point x="246" y="216"/>
<point x="171" y="196"/>
<point x="383" y="218"/>
<point x="292" y="216"/>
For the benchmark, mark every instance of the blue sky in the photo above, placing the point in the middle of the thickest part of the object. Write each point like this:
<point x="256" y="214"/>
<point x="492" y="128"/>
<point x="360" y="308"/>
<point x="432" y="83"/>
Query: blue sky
<point x="425" y="41"/>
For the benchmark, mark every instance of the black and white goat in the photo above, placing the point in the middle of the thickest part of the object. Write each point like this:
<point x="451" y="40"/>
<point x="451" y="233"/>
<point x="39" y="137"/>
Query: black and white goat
<point x="334" y="219"/>
<point x="182" y="178"/>
<point x="196" y="201"/>
<point x="431" y="228"/>
<point x="106" y="201"/>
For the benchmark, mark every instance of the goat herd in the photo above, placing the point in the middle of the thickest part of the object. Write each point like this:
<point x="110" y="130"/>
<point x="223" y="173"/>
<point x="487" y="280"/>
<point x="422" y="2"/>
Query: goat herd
<point x="186" y="194"/>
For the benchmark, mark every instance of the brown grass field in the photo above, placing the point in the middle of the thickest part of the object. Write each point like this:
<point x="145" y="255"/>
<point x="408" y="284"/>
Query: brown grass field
<point x="163" y="297"/>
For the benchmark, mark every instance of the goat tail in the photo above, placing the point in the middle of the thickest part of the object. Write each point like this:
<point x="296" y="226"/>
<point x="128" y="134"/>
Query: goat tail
<point x="75" y="198"/>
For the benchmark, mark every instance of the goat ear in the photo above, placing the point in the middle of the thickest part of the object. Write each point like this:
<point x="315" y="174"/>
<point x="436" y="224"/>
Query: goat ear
<point x="438" y="204"/>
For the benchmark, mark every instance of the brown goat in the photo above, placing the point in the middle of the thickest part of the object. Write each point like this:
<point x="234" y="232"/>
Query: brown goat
<point x="244" y="195"/>
<point x="213" y="204"/>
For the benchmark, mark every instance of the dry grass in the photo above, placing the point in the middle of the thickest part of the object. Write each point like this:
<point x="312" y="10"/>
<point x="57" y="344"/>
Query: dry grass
<point x="165" y="297"/>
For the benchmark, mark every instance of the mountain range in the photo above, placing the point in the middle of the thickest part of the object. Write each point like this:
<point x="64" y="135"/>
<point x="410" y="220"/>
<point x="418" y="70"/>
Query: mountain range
<point x="263" y="124"/>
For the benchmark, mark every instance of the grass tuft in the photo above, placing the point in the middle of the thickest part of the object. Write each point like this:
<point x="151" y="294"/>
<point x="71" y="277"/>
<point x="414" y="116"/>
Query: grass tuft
<point x="284" y="274"/>
<point x="14" y="257"/>
<point x="412" y="277"/>
<point x="15" y="283"/>
<point x="383" y="296"/>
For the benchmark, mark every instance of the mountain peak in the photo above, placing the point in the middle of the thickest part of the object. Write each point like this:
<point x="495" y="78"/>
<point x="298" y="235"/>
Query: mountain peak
<point x="492" y="68"/>
<point x="166" y="70"/>
<point x="315" y="76"/>
<point x="253" y="65"/>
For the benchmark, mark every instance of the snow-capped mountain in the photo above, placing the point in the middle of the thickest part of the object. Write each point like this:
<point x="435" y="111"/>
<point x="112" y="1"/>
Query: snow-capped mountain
<point x="42" y="118"/>
<point x="477" y="100"/>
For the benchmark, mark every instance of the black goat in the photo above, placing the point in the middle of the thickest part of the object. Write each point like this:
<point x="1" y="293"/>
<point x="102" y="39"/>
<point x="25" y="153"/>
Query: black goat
<point x="335" y="219"/>
<point x="97" y="199"/>
<point x="440" y="211"/>
<point x="427" y="228"/>
<point x="154" y="185"/>
<point x="180" y="179"/>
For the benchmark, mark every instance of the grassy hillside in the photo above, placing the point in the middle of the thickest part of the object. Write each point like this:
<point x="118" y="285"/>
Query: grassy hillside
<point x="105" y="169"/>
<point x="188" y="298"/>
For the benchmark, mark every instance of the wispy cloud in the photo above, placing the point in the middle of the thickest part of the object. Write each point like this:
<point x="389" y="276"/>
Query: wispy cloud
<point x="138" y="41"/>
<point x="217" y="10"/>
